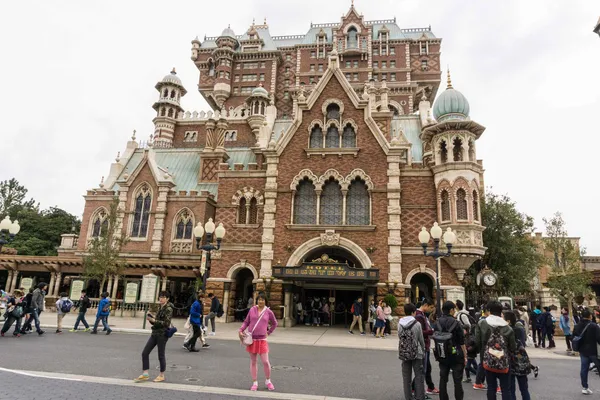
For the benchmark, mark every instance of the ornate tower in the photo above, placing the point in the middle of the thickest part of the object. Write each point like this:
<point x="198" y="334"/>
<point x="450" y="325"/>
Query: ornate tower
<point x="167" y="108"/>
<point x="450" y="151"/>
<point x="258" y="104"/>
<point x="223" y="56"/>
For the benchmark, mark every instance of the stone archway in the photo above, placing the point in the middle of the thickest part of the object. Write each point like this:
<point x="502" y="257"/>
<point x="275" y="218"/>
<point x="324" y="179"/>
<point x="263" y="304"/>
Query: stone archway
<point x="340" y="242"/>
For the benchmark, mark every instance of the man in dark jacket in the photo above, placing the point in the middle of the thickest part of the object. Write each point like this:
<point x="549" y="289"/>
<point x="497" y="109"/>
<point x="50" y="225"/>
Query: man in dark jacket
<point x="212" y="313"/>
<point x="458" y="359"/>
<point x="483" y="331"/>
<point x="421" y="316"/>
<point x="37" y="306"/>
<point x="83" y="305"/>
<point x="357" y="316"/>
<point x="588" y="350"/>
<point x="536" y="328"/>
<point x="546" y="324"/>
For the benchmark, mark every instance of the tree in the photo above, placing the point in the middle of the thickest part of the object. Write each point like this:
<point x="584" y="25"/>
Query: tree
<point x="12" y="198"/>
<point x="102" y="259"/>
<point x="511" y="253"/>
<point x="567" y="279"/>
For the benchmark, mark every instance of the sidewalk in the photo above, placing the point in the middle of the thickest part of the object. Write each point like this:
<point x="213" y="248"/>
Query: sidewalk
<point x="298" y="335"/>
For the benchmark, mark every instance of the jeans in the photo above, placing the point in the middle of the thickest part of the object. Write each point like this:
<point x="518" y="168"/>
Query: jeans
<point x="493" y="385"/>
<point x="426" y="371"/>
<point x="35" y="317"/>
<point x="104" y="319"/>
<point x="8" y="323"/>
<point x="154" y="341"/>
<point x="550" y="337"/>
<point x="480" y="376"/>
<point x="457" y="372"/>
<point x="523" y="386"/>
<point x="81" y="318"/>
<point x="539" y="336"/>
<point x="407" y="369"/>
<point x="197" y="331"/>
<point x="471" y="367"/>
<point x="211" y="316"/>
<point x="585" y="368"/>
<point x="568" y="339"/>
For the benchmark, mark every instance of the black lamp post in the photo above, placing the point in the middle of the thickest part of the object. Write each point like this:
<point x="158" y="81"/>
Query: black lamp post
<point x="449" y="239"/>
<point x="8" y="230"/>
<point x="208" y="245"/>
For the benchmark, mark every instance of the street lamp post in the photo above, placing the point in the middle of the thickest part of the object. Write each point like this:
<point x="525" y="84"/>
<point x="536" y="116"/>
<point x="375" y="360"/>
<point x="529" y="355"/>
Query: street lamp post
<point x="449" y="238"/>
<point x="8" y="230"/>
<point x="208" y="246"/>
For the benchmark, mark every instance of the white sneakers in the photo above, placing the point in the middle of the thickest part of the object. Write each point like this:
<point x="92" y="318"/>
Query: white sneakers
<point x="211" y="334"/>
<point x="587" y="391"/>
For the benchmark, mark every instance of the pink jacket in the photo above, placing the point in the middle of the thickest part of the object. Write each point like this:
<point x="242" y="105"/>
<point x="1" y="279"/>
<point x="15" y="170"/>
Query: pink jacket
<point x="262" y="329"/>
<point x="380" y="314"/>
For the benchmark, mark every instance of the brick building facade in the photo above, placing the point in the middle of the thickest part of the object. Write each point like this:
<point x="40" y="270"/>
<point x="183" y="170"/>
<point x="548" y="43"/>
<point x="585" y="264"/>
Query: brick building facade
<point x="321" y="150"/>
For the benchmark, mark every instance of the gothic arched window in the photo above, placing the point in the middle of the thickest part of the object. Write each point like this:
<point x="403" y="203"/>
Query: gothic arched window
<point x="253" y="211"/>
<point x="316" y="137"/>
<point x="445" y="205"/>
<point x="333" y="111"/>
<point x="242" y="211"/>
<point x="475" y="206"/>
<point x="457" y="149"/>
<point x="162" y="112"/>
<point x="170" y="113"/>
<point x="141" y="214"/>
<point x="349" y="136"/>
<point x="172" y="94"/>
<point x="166" y="93"/>
<point x="461" y="204"/>
<point x="100" y="224"/>
<point x="332" y="139"/>
<point x="352" y="38"/>
<point x="443" y="151"/>
<point x="358" y="204"/>
<point x="184" y="227"/>
<point x="331" y="203"/>
<point x="262" y="108"/>
<point x="305" y="203"/>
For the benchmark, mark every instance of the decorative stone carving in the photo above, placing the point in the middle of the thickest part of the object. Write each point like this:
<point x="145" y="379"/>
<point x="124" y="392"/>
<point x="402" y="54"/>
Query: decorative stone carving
<point x="478" y="239"/>
<point x="395" y="257"/>
<point x="181" y="247"/>
<point x="215" y="254"/>
<point x="463" y="237"/>
<point x="460" y="273"/>
<point x="266" y="255"/>
<point x="305" y="173"/>
<point x="248" y="193"/>
<point x="330" y="238"/>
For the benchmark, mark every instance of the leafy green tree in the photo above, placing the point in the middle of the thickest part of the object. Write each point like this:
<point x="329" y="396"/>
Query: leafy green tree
<point x="567" y="279"/>
<point x="102" y="258"/>
<point x="511" y="253"/>
<point x="12" y="198"/>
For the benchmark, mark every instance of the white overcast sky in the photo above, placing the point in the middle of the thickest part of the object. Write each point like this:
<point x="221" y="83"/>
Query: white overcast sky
<point x="79" y="76"/>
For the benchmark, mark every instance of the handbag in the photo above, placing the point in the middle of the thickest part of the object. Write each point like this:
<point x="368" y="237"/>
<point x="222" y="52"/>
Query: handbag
<point x="17" y="312"/>
<point x="247" y="340"/>
<point x="188" y="325"/>
<point x="576" y="342"/>
<point x="171" y="331"/>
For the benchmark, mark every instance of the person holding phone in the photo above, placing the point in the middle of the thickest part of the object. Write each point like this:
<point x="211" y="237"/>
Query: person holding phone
<point x="160" y="323"/>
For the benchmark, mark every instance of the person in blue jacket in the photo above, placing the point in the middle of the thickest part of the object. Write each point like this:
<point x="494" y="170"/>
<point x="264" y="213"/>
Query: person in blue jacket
<point x="102" y="314"/>
<point x="196" y="312"/>
<point x="566" y="327"/>
<point x="536" y="328"/>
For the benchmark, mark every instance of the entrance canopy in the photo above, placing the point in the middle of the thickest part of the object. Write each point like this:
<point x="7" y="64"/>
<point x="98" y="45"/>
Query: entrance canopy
<point x="318" y="271"/>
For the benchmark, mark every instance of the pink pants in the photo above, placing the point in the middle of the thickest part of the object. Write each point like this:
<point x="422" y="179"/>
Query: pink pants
<point x="254" y="365"/>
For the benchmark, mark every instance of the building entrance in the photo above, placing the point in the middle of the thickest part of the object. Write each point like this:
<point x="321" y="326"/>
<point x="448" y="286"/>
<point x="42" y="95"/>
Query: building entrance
<point x="321" y="306"/>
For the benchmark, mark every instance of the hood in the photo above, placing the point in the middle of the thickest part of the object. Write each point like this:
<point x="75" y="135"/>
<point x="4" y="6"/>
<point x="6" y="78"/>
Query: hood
<point x="405" y="321"/>
<point x="495" y="321"/>
<point x="537" y="312"/>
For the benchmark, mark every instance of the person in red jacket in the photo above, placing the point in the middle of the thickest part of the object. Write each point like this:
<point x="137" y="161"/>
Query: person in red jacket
<point x="421" y="315"/>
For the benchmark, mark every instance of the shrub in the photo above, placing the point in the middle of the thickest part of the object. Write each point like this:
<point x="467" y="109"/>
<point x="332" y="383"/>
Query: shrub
<point x="391" y="301"/>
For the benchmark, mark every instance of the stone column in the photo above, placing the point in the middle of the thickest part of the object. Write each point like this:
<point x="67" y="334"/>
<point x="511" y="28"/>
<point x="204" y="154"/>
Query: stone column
<point x="159" y="221"/>
<point x="266" y="254"/>
<point x="9" y="280"/>
<point x="109" y="286"/>
<point x="393" y="210"/>
<point x="57" y="283"/>
<point x="115" y="286"/>
<point x="226" y="294"/>
<point x="13" y="284"/>
<point x="51" y="284"/>
<point x="163" y="285"/>
<point x="288" y="306"/>
<point x="318" y="193"/>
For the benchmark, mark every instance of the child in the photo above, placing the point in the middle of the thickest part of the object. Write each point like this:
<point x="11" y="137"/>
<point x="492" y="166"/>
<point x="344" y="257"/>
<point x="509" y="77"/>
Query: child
<point x="471" y="367"/>
<point x="63" y="306"/>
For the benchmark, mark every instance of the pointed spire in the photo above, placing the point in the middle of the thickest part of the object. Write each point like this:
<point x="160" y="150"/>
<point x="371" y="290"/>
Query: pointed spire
<point x="133" y="136"/>
<point x="101" y="182"/>
<point x="173" y="72"/>
<point x="352" y="3"/>
<point x="449" y="80"/>
<point x="265" y="21"/>
<point x="118" y="156"/>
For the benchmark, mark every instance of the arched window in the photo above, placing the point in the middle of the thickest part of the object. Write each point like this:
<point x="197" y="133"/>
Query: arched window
<point x="100" y="224"/>
<point x="141" y="213"/>
<point x="170" y="114"/>
<point x="472" y="151"/>
<point x="443" y="151"/>
<point x="475" y="206"/>
<point x="305" y="203"/>
<point x="172" y="94"/>
<point x="253" y="211"/>
<point x="333" y="111"/>
<point x="262" y="108"/>
<point x="349" y="137"/>
<point x="242" y="211"/>
<point x="352" y="38"/>
<point x="357" y="204"/>
<point x="461" y="204"/>
<point x="166" y="93"/>
<point x="394" y="110"/>
<point x="162" y="112"/>
<point x="445" y="206"/>
<point x="331" y="203"/>
<point x="211" y="68"/>
<point x="457" y="149"/>
<point x="332" y="140"/>
<point x="184" y="226"/>
<point x="316" y="137"/>
<point x="256" y="105"/>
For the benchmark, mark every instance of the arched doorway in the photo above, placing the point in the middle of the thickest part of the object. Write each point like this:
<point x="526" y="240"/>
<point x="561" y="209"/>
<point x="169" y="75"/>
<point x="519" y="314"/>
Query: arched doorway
<point x="421" y="287"/>
<point x="243" y="291"/>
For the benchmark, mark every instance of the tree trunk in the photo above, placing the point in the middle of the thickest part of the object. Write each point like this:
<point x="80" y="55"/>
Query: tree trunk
<point x="570" y="308"/>
<point x="102" y="285"/>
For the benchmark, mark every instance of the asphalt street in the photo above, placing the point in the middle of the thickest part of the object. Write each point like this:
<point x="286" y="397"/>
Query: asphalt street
<point x="340" y="372"/>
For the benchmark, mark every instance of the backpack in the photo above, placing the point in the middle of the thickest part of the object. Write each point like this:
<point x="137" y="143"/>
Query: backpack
<point x="521" y="365"/>
<point x="578" y="340"/>
<point x="444" y="345"/>
<point x="220" y="311"/>
<point x="65" y="306"/>
<point x="408" y="348"/>
<point x="495" y="355"/>
<point x="352" y="309"/>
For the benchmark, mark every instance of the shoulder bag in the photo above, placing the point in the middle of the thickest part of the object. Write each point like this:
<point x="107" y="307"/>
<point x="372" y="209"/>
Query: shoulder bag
<point x="247" y="340"/>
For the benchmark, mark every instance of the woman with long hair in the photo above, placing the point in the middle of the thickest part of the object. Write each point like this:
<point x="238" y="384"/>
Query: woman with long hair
<point x="387" y="311"/>
<point x="261" y="323"/>
<point x="380" y="321"/>
<point x="160" y="322"/>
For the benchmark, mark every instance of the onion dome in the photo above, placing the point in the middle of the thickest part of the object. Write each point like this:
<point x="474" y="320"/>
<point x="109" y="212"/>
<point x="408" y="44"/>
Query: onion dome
<point x="451" y="104"/>
<point x="228" y="32"/>
<point x="171" y="79"/>
<point x="260" y="91"/>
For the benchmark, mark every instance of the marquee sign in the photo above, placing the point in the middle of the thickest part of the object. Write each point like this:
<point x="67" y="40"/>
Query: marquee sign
<point x="326" y="271"/>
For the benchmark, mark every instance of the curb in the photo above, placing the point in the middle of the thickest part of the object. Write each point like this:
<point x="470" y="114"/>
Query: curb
<point x="138" y="331"/>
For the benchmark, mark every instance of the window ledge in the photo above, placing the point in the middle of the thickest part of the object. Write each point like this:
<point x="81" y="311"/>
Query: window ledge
<point x="138" y="239"/>
<point x="314" y="227"/>
<point x="248" y="226"/>
<point x="339" y="151"/>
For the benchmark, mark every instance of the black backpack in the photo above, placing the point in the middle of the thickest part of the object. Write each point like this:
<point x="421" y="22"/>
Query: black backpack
<point x="220" y="311"/>
<point x="443" y="342"/>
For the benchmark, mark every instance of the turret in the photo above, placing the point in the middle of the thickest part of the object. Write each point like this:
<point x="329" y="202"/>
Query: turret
<point x="223" y="56"/>
<point x="258" y="102"/>
<point x="167" y="108"/>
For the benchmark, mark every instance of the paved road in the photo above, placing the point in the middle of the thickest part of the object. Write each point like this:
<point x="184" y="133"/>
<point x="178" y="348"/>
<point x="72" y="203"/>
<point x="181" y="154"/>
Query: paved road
<point x="363" y="374"/>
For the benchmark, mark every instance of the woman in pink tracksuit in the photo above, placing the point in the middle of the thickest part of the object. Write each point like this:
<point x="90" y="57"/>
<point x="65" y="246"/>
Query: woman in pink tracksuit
<point x="260" y="323"/>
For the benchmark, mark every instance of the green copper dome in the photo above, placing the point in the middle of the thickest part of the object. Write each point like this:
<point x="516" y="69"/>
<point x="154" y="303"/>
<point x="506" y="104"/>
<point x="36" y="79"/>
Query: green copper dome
<point x="451" y="104"/>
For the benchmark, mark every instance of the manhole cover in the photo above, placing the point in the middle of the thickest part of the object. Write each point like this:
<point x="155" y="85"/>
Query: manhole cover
<point x="286" y="368"/>
<point x="192" y="379"/>
<point x="176" y="367"/>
